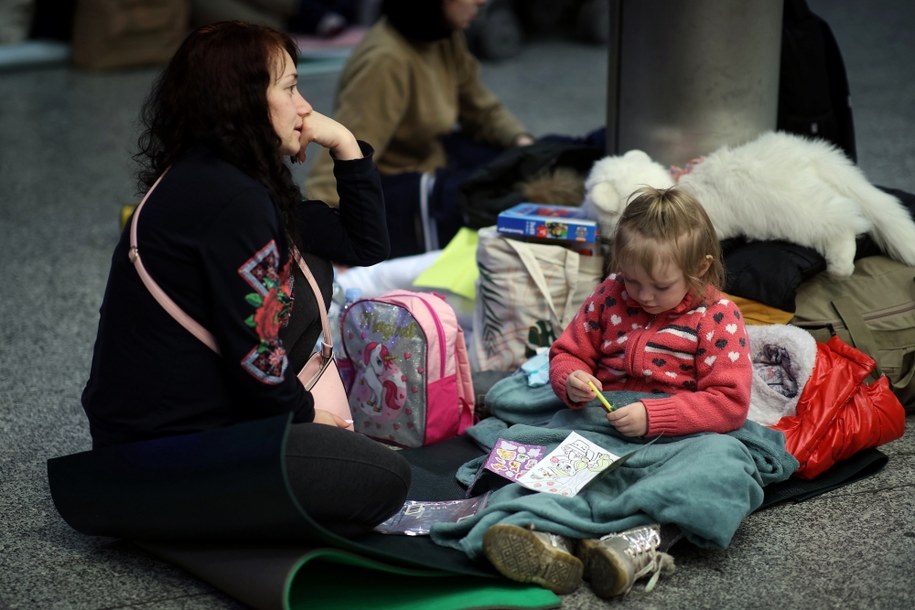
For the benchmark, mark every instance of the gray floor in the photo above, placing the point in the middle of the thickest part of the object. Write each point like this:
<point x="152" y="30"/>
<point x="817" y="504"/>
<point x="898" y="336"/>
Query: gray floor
<point x="65" y="171"/>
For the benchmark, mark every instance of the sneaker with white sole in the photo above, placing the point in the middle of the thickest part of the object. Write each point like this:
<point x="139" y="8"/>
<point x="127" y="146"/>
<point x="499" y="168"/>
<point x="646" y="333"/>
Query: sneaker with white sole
<point x="614" y="562"/>
<point x="529" y="556"/>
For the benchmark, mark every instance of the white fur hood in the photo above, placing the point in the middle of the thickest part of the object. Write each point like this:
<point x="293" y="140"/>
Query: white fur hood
<point x="767" y="406"/>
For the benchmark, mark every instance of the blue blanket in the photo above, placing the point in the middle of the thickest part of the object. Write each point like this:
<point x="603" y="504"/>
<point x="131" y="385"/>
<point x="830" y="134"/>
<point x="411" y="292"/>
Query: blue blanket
<point x="706" y="484"/>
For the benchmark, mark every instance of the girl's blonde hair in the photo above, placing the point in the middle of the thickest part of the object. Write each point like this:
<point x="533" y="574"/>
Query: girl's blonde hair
<point x="669" y="225"/>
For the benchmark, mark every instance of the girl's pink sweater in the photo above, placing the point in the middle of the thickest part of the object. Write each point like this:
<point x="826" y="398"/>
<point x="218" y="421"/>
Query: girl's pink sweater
<point x="698" y="353"/>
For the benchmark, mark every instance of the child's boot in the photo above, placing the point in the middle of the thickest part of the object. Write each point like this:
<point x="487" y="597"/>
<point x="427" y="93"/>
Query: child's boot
<point x="525" y="555"/>
<point x="614" y="562"/>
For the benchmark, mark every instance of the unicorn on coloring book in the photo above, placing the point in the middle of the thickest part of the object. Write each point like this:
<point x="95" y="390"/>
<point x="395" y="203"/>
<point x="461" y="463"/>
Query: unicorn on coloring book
<point x="379" y="388"/>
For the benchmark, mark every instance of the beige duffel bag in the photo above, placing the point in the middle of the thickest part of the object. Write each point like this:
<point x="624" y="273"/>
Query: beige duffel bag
<point x="527" y="294"/>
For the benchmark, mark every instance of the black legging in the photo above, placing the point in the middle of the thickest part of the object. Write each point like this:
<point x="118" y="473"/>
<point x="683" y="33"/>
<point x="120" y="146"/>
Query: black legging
<point x="345" y="481"/>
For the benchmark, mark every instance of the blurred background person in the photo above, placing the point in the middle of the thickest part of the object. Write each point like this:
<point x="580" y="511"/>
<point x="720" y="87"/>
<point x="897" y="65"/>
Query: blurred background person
<point x="412" y="89"/>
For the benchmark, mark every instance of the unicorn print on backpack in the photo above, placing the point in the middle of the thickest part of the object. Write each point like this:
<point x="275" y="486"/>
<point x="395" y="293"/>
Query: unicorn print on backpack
<point x="379" y="389"/>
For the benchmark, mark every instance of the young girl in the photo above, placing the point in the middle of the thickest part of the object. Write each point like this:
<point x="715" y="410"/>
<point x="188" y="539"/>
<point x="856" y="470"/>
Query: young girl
<point x="414" y="90"/>
<point x="659" y="324"/>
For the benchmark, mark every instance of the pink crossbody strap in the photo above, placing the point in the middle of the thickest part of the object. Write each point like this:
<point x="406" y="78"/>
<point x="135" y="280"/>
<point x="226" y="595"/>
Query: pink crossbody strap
<point x="189" y="323"/>
<point x="327" y="345"/>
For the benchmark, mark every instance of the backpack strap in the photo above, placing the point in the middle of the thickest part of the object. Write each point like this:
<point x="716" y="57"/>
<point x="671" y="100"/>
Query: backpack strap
<point x="570" y="266"/>
<point x="189" y="323"/>
<point x="858" y="331"/>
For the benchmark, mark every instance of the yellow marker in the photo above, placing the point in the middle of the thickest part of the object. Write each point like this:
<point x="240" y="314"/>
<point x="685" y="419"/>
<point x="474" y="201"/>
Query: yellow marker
<point x="601" y="398"/>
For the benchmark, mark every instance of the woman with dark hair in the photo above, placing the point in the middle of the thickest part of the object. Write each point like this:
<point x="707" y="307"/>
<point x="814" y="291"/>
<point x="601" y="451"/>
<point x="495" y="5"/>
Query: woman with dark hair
<point x="219" y="222"/>
<point x="413" y="90"/>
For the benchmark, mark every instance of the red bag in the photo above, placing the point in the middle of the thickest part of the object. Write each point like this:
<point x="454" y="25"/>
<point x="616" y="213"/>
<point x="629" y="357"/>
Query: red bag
<point x="838" y="414"/>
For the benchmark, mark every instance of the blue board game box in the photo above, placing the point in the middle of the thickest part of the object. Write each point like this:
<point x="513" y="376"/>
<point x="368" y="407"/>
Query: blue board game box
<point x="547" y="222"/>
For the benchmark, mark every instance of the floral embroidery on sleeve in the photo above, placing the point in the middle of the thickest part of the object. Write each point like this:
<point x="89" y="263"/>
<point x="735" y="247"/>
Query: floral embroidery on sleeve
<point x="272" y="298"/>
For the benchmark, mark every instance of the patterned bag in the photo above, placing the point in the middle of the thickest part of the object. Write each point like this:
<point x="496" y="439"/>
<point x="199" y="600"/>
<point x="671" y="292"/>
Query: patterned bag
<point x="411" y="384"/>
<point x="528" y="293"/>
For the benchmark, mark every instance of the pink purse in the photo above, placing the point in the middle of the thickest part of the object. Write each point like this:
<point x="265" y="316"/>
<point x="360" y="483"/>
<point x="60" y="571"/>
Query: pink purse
<point x="320" y="375"/>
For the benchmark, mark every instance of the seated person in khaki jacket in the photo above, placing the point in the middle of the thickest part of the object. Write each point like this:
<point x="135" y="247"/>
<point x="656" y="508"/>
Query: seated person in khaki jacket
<point x="412" y="89"/>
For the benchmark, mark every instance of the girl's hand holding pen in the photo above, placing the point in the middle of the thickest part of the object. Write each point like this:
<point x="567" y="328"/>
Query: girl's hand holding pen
<point x="629" y="420"/>
<point x="600" y="396"/>
<point x="582" y="387"/>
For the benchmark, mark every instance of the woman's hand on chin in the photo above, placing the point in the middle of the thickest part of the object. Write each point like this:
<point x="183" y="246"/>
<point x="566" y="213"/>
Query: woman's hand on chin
<point x="328" y="133"/>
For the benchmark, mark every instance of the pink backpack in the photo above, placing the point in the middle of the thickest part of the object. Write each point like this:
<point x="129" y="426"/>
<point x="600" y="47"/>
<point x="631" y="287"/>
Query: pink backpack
<point x="411" y="382"/>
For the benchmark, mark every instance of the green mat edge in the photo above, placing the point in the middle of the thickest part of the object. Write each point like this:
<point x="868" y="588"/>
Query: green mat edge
<point x="383" y="586"/>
